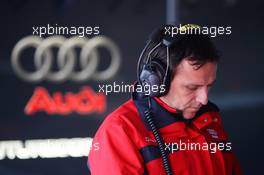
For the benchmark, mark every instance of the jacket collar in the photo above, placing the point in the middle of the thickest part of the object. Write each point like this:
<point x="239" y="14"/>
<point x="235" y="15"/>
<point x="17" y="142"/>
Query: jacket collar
<point x="164" y="115"/>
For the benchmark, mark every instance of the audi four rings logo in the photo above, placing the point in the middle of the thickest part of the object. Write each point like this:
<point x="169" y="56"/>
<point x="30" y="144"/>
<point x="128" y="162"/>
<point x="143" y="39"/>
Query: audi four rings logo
<point x="66" y="58"/>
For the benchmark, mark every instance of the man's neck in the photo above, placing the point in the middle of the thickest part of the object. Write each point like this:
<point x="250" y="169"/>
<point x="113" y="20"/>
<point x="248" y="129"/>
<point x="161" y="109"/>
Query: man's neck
<point x="165" y="100"/>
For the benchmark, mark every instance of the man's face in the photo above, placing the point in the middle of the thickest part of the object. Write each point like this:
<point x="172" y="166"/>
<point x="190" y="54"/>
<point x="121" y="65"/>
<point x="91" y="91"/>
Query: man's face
<point x="189" y="87"/>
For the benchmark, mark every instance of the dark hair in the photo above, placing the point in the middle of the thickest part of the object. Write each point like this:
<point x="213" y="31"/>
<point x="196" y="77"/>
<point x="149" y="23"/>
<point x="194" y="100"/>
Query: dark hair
<point x="198" y="48"/>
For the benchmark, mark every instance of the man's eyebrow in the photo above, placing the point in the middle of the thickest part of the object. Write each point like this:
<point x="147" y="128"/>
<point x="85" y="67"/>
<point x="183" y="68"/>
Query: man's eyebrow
<point x="193" y="84"/>
<point x="199" y="85"/>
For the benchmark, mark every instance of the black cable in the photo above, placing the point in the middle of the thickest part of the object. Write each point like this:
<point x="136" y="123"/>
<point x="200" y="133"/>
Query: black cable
<point x="159" y="140"/>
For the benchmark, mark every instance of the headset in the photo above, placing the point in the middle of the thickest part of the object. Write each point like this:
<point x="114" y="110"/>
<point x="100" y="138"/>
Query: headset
<point x="156" y="73"/>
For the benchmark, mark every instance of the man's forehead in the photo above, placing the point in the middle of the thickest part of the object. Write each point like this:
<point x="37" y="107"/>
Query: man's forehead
<point x="190" y="66"/>
<point x="191" y="74"/>
<point x="200" y="83"/>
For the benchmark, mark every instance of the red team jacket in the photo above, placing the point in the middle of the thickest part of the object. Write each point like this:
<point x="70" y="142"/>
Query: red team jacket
<point x="126" y="146"/>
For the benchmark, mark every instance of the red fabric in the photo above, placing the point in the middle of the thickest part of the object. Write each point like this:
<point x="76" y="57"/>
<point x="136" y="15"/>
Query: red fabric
<point x="163" y="104"/>
<point x="123" y="134"/>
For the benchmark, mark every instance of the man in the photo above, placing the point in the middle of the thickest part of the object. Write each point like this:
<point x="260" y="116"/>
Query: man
<point x="175" y="131"/>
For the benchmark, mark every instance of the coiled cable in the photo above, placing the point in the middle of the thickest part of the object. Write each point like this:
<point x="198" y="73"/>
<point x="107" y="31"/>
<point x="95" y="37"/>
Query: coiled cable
<point x="159" y="140"/>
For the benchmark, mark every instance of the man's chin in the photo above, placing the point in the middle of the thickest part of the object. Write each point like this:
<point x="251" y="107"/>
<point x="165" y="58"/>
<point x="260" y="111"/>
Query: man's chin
<point x="188" y="114"/>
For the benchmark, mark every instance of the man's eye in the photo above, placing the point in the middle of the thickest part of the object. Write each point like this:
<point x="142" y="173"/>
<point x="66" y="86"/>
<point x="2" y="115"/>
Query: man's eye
<point x="192" y="88"/>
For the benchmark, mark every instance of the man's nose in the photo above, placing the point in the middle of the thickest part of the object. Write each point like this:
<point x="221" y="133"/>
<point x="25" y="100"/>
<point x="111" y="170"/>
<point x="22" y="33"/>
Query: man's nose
<point x="202" y="96"/>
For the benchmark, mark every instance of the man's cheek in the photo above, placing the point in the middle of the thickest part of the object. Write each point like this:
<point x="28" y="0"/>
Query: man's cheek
<point x="189" y="101"/>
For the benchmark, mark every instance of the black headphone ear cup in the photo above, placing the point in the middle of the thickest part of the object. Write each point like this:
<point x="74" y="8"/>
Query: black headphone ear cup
<point x="152" y="75"/>
<point x="149" y="76"/>
<point x="160" y="69"/>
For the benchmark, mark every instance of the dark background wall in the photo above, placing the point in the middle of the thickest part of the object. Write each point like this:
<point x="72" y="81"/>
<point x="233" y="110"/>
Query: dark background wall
<point x="239" y="91"/>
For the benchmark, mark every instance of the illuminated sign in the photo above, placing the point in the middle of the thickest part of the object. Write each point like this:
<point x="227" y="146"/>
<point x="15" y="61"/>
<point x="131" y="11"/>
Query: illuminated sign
<point x="47" y="148"/>
<point x="66" y="58"/>
<point x="84" y="102"/>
